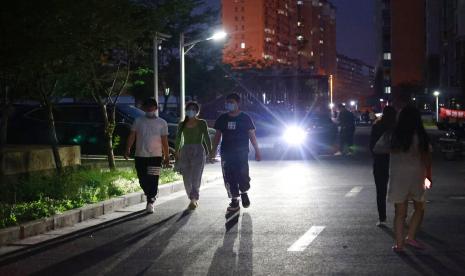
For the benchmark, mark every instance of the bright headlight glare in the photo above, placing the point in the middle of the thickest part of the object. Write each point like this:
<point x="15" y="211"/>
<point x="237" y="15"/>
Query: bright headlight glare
<point x="294" y="135"/>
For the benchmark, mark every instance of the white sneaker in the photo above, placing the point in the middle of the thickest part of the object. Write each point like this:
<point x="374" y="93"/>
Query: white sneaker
<point x="150" y="208"/>
<point x="381" y="224"/>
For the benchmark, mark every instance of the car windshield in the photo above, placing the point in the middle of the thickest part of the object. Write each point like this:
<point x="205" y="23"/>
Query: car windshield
<point x="130" y="110"/>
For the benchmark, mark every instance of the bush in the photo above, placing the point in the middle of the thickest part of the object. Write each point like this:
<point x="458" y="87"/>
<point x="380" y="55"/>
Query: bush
<point x="42" y="195"/>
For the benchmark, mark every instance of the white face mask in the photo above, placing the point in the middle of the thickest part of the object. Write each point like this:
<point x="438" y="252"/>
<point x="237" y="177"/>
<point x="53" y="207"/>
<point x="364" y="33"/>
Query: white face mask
<point x="191" y="113"/>
<point x="150" y="114"/>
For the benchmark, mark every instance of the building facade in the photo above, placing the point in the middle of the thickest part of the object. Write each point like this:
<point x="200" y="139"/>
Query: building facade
<point x="452" y="52"/>
<point x="400" y="43"/>
<point x="280" y="33"/>
<point x="354" y="81"/>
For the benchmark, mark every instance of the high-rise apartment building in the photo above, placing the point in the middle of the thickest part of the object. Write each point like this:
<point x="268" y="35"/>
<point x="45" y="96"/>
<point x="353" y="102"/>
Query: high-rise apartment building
<point x="401" y="43"/>
<point x="316" y="36"/>
<point x="280" y="33"/>
<point x="452" y="52"/>
<point x="353" y="81"/>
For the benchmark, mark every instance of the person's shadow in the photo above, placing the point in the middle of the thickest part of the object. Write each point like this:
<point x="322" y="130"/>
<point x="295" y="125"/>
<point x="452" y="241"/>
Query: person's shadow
<point x="225" y="259"/>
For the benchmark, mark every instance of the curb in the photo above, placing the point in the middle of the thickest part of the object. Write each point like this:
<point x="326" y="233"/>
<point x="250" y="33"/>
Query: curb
<point x="13" y="234"/>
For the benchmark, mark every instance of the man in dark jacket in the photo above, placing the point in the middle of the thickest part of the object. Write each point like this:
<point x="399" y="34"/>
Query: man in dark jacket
<point x="346" y="122"/>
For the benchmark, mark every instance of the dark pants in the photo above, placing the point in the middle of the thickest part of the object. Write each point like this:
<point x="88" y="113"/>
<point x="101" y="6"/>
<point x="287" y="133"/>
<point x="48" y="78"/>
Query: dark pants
<point x="236" y="173"/>
<point x="148" y="171"/>
<point x="381" y="174"/>
<point x="346" y="138"/>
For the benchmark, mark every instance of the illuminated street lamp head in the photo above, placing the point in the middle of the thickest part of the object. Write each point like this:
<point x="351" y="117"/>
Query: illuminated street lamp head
<point x="436" y="93"/>
<point x="352" y="103"/>
<point x="331" y="105"/>
<point x="381" y="100"/>
<point x="219" y="35"/>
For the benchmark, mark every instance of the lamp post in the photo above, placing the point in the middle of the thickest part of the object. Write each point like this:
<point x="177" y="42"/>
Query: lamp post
<point x="436" y="94"/>
<point x="184" y="48"/>
<point x="157" y="40"/>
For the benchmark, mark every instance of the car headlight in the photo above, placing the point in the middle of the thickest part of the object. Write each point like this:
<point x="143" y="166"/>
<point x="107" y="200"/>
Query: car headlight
<point x="295" y="135"/>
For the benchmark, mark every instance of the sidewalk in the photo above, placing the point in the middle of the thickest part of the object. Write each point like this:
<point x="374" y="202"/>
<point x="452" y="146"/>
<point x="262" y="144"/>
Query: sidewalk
<point x="72" y="223"/>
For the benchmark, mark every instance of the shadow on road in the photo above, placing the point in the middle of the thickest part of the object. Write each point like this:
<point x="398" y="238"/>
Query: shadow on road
<point x="425" y="263"/>
<point x="225" y="259"/>
<point x="94" y="257"/>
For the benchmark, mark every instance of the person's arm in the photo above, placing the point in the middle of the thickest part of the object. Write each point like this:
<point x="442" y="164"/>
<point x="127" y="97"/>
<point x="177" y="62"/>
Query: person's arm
<point x="178" y="141"/>
<point x="130" y="141"/>
<point x="164" y="144"/>
<point x="374" y="137"/>
<point x="253" y="140"/>
<point x="165" y="149"/>
<point x="429" y="165"/>
<point x="216" y="142"/>
<point x="206" y="138"/>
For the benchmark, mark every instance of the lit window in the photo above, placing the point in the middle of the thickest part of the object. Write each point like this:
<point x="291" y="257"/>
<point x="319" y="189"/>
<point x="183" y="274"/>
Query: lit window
<point x="242" y="45"/>
<point x="387" y="90"/>
<point x="387" y="56"/>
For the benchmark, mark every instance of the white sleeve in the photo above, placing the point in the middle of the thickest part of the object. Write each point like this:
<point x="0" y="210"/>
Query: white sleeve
<point x="164" y="129"/>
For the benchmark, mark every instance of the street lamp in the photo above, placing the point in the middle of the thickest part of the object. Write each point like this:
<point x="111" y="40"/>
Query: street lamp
<point x="184" y="48"/>
<point x="157" y="40"/>
<point x="354" y="104"/>
<point x="436" y="94"/>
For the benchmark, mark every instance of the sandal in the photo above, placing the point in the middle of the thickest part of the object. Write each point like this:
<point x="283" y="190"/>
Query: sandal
<point x="415" y="244"/>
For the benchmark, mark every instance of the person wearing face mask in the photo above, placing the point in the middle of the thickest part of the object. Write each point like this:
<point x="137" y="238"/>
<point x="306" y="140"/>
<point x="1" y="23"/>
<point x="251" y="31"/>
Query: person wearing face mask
<point x="151" y="136"/>
<point x="235" y="129"/>
<point x="192" y="146"/>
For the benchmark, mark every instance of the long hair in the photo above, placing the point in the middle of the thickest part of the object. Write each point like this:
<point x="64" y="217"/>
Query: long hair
<point x="388" y="120"/>
<point x="408" y="124"/>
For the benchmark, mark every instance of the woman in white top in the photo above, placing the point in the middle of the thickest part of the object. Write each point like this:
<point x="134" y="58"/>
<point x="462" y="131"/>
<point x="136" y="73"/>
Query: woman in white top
<point x="410" y="169"/>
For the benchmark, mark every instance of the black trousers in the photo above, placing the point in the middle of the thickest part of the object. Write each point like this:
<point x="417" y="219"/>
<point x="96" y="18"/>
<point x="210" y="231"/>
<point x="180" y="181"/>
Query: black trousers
<point x="148" y="171"/>
<point x="236" y="172"/>
<point x="381" y="174"/>
<point x="346" y="138"/>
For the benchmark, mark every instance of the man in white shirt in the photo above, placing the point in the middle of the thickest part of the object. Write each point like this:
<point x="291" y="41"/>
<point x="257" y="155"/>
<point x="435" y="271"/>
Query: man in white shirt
<point x="151" y="135"/>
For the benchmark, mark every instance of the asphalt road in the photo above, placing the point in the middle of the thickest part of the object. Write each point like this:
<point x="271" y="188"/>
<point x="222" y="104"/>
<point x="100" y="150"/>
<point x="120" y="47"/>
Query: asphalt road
<point x="307" y="217"/>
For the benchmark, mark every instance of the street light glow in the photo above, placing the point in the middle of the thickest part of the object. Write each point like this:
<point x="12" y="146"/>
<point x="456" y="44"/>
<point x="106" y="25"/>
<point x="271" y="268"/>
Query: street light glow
<point x="436" y="93"/>
<point x="331" y="105"/>
<point x="381" y="100"/>
<point x="352" y="103"/>
<point x="219" y="35"/>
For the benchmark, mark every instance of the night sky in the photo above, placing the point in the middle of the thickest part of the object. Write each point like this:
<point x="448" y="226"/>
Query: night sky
<point x="355" y="28"/>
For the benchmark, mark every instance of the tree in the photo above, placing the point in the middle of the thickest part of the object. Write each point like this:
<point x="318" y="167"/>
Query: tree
<point x="37" y="56"/>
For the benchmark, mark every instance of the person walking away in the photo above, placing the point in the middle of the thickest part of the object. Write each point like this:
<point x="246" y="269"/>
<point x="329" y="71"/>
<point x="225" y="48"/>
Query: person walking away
<point x="346" y="122"/>
<point x="381" y="161"/>
<point x="191" y="154"/>
<point x="235" y="129"/>
<point x="410" y="173"/>
<point x="151" y="136"/>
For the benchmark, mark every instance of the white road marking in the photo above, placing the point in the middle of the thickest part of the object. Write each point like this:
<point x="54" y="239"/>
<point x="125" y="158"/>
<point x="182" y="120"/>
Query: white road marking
<point x="355" y="190"/>
<point x="303" y="242"/>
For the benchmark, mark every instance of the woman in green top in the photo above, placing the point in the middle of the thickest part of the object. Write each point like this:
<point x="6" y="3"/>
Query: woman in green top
<point x="192" y="146"/>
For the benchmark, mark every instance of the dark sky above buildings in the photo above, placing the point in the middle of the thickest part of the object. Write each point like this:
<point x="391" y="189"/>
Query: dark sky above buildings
<point x="355" y="28"/>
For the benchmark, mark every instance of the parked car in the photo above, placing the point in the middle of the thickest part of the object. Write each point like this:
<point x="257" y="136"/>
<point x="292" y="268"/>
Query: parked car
<point x="80" y="124"/>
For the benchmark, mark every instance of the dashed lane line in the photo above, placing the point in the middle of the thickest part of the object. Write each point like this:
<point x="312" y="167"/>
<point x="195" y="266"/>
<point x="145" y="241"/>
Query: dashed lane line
<point x="303" y="242"/>
<point x="355" y="191"/>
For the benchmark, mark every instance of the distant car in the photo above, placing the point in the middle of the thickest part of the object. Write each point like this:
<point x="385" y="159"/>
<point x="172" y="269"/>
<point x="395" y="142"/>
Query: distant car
<point x="289" y="131"/>
<point x="79" y="124"/>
